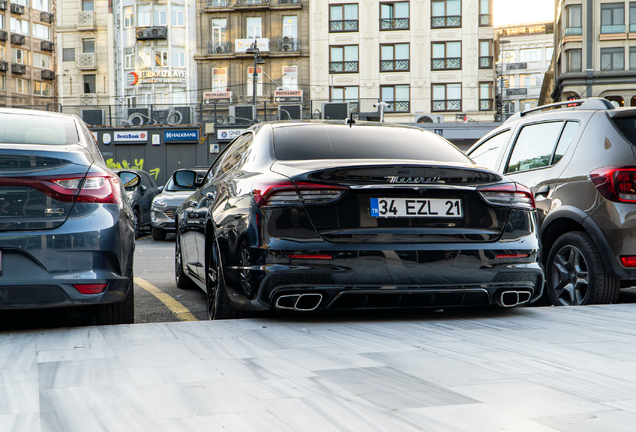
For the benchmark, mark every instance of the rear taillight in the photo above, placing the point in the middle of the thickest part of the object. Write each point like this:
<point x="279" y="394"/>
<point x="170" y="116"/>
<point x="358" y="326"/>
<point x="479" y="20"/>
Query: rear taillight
<point x="285" y="193"/>
<point x="616" y="184"/>
<point x="90" y="288"/>
<point x="509" y="194"/>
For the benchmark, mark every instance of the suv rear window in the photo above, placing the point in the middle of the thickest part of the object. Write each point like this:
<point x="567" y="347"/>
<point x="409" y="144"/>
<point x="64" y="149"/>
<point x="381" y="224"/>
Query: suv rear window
<point x="306" y="142"/>
<point x="37" y="129"/>
<point x="627" y="125"/>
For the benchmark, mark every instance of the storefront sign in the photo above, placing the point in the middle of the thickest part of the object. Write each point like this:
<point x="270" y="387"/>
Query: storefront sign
<point x="156" y="77"/>
<point x="123" y="137"/>
<point x="209" y="98"/>
<point x="288" y="96"/>
<point x="181" y="135"/>
<point x="228" y="134"/>
<point x="242" y="45"/>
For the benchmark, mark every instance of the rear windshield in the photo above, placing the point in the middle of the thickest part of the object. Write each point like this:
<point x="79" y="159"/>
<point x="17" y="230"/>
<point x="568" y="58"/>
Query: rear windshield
<point x="627" y="125"/>
<point x="306" y="142"/>
<point x="37" y="129"/>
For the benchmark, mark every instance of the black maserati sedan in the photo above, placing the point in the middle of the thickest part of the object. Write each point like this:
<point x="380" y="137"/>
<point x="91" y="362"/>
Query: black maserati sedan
<point x="316" y="215"/>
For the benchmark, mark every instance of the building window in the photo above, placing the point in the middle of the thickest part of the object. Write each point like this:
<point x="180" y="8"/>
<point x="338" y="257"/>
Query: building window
<point x="68" y="54"/>
<point x="344" y="59"/>
<point x="88" y="46"/>
<point x="143" y="16"/>
<point x="218" y="39"/>
<point x="19" y="56"/>
<point x="530" y="55"/>
<point x="394" y="16"/>
<point x="161" y="57"/>
<point x="160" y="15"/>
<point x="397" y="98"/>
<point x="526" y="104"/>
<point x="41" y="32"/>
<point x="632" y="17"/>
<point x="290" y="77"/>
<point x="446" y="13"/>
<point x="177" y="15"/>
<point x="87" y="5"/>
<point x="343" y="18"/>
<point x="530" y="80"/>
<point x="394" y="58"/>
<point x="573" y="60"/>
<point x="41" y="60"/>
<point x="1" y="22"/>
<point x="250" y="81"/>
<point x="613" y="18"/>
<point x="612" y="58"/>
<point x="19" y="26"/>
<point x="573" y="16"/>
<point x="549" y="51"/>
<point x="290" y="27"/>
<point x="254" y="28"/>
<point x="485" y="55"/>
<point x="344" y="94"/>
<point x="447" y="55"/>
<point x="129" y="58"/>
<point x="41" y="88"/>
<point x="21" y="86"/>
<point x="507" y="56"/>
<point x="219" y="79"/>
<point x="617" y="101"/>
<point x="485" y="19"/>
<point x="129" y="17"/>
<point x="144" y="57"/>
<point x="632" y="58"/>
<point x="447" y="97"/>
<point x="89" y="84"/>
<point x="178" y="57"/>
<point x="485" y="97"/>
<point x="3" y="86"/>
<point x="24" y="3"/>
<point x="42" y="5"/>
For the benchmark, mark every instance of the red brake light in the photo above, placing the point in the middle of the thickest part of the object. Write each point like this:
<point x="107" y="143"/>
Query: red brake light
<point x="512" y="194"/>
<point x="90" y="288"/>
<point x="289" y="193"/>
<point x="616" y="184"/>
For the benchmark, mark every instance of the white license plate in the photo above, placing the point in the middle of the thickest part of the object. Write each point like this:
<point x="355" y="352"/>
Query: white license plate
<point x="403" y="207"/>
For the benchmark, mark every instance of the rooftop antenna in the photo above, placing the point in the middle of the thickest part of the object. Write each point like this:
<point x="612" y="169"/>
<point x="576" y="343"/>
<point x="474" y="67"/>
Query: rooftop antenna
<point x="350" y="121"/>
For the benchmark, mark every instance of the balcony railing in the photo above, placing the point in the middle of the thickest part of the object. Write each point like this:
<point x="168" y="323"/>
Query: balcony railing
<point x="394" y="23"/>
<point x="343" y="26"/>
<point x="88" y="99"/>
<point x="219" y="47"/>
<point x="446" y="63"/>
<point x="252" y="2"/>
<point x="485" y="62"/>
<point x="485" y="19"/>
<point x="447" y="105"/>
<point x="344" y="67"/>
<point x="86" y="61"/>
<point x="18" y="68"/>
<point x="485" y="104"/>
<point x="394" y="65"/>
<point x="218" y="3"/>
<point x="397" y="106"/>
<point x="446" y="21"/>
<point x="85" y="18"/>
<point x="573" y="31"/>
<point x="613" y="29"/>
<point x="289" y="1"/>
<point x="288" y="44"/>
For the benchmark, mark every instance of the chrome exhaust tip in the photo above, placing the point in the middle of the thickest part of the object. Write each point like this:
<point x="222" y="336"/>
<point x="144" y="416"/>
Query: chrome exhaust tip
<point x="287" y="301"/>
<point x="509" y="299"/>
<point x="299" y="302"/>
<point x="524" y="297"/>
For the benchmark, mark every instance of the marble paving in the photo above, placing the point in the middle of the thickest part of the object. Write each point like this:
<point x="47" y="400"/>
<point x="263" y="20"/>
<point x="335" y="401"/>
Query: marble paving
<point x="521" y="370"/>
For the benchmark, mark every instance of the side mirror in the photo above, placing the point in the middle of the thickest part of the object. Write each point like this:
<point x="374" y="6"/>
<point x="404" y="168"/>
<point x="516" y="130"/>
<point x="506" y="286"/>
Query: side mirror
<point x="130" y="179"/>
<point x="143" y="189"/>
<point x="160" y="189"/>
<point x="186" y="179"/>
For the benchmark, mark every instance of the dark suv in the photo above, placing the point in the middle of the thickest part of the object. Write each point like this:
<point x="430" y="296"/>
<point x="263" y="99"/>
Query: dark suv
<point x="579" y="160"/>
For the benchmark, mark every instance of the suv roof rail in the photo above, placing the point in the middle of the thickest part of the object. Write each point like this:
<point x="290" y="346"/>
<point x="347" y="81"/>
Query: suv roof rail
<point x="597" y="104"/>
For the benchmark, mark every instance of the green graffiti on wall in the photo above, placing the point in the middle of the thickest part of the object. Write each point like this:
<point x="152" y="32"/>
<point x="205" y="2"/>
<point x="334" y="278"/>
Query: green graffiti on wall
<point x="139" y="164"/>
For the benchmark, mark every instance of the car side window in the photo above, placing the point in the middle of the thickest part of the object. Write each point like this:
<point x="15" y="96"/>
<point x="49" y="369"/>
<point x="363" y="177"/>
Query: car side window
<point x="566" y="139"/>
<point x="487" y="153"/>
<point x="235" y="154"/>
<point x="217" y="162"/>
<point x="534" y="146"/>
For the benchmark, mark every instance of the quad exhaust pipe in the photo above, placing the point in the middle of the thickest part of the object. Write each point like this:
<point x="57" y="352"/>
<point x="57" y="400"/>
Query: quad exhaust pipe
<point x="299" y="302"/>
<point x="512" y="298"/>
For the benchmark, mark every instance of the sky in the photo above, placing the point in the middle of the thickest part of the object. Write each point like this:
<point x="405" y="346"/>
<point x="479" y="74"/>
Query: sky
<point x="522" y="11"/>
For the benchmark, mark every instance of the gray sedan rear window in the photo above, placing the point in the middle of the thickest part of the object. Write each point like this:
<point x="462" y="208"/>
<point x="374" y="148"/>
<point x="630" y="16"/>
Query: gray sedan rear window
<point x="37" y="129"/>
<point x="306" y="142"/>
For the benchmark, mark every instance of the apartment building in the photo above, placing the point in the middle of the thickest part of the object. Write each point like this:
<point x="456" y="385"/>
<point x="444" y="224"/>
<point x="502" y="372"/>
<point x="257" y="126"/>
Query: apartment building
<point x="27" y="53"/>
<point x="230" y="69"/>
<point x="525" y="53"/>
<point x="85" y="33"/>
<point x="427" y="60"/>
<point x="595" y="43"/>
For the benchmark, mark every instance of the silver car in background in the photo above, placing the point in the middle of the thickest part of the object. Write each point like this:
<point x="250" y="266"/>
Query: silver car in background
<point x="165" y="204"/>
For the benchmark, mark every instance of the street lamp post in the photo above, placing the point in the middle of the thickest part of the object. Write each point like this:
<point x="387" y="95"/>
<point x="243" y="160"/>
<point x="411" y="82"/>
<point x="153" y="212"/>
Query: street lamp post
<point x="253" y="49"/>
<point x="331" y="72"/>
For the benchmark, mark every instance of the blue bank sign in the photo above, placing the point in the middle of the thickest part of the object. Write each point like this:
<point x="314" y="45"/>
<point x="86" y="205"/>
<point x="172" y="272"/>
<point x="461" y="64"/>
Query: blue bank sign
<point x="181" y="135"/>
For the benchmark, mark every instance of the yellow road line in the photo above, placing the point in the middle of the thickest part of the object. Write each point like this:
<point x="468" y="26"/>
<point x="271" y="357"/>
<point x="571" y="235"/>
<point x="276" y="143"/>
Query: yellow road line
<point x="180" y="311"/>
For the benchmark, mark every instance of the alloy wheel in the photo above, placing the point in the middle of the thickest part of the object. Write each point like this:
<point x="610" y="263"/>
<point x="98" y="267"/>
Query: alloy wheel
<point x="570" y="276"/>
<point x="212" y="283"/>
<point x="246" y="283"/>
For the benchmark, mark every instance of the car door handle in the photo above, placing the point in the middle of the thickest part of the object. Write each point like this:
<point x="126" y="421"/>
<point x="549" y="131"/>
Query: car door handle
<point x="543" y="190"/>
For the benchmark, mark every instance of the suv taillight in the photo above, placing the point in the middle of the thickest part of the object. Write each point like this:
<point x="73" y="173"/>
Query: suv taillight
<point x="616" y="184"/>
<point x="509" y="194"/>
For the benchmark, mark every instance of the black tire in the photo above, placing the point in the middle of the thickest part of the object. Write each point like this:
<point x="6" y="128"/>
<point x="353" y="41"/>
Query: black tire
<point x="136" y="222"/>
<point x="218" y="303"/>
<point x="180" y="278"/>
<point x="157" y="234"/>
<point x="122" y="312"/>
<point x="575" y="274"/>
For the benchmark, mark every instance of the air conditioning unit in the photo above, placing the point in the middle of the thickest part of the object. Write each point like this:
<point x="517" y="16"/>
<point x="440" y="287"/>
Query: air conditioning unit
<point x="4" y="65"/>
<point x="17" y="9"/>
<point x="160" y="116"/>
<point x="17" y="39"/>
<point x="3" y="5"/>
<point x="242" y="114"/>
<point x="428" y="118"/>
<point x="186" y="115"/>
<point x="47" y="74"/>
<point x="335" y="110"/>
<point x="144" y="33"/>
<point x="4" y="35"/>
<point x="94" y="117"/>
<point x="138" y="116"/>
<point x="290" y="112"/>
<point x="47" y="46"/>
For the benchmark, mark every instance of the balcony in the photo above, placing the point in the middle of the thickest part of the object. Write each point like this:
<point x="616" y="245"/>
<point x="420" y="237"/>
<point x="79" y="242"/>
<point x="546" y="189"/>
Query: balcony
<point x="446" y="63"/>
<point x="18" y="68"/>
<point x="446" y="21"/>
<point x="613" y="29"/>
<point x="219" y="47"/>
<point x="88" y="99"/>
<point x="4" y="35"/>
<point x="446" y="105"/>
<point x="517" y="91"/>
<point x="394" y="65"/>
<point x="485" y="20"/>
<point x="156" y="32"/>
<point x="4" y="66"/>
<point x="17" y="9"/>
<point x="289" y="2"/>
<point x="252" y="4"/>
<point x="485" y="62"/>
<point x="287" y="44"/>
<point x="517" y="66"/>
<point x="17" y="39"/>
<point x="397" y="106"/>
<point x="47" y="17"/>
<point x="485" y="104"/>
<point x="573" y="31"/>
<point x="85" y="21"/>
<point x="344" y="66"/>
<point x="343" y="26"/>
<point x="218" y="3"/>
<point x="47" y="46"/>
<point x="394" y="23"/>
<point x="47" y="74"/>
<point x="86" y="61"/>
